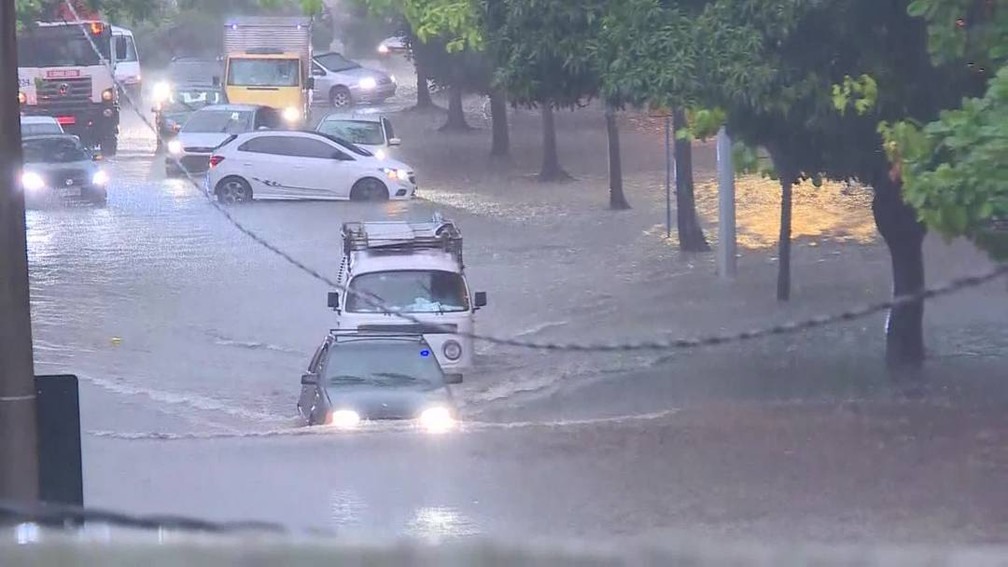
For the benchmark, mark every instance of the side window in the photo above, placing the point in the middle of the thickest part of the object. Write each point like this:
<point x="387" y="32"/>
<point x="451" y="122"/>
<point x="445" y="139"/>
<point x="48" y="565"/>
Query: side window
<point x="316" y="361"/>
<point x="274" y="145"/>
<point x="311" y="148"/>
<point x="389" y="133"/>
<point x="120" y="48"/>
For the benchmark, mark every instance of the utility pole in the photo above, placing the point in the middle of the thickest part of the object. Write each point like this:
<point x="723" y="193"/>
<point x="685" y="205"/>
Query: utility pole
<point x="727" y="245"/>
<point x="19" y="474"/>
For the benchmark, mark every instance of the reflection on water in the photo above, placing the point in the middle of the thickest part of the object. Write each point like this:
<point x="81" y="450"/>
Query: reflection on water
<point x="346" y="508"/>
<point x="440" y="522"/>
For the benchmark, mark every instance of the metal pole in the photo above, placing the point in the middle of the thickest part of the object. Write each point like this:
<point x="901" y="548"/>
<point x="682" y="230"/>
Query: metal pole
<point x="668" y="177"/>
<point x="18" y="429"/>
<point x="727" y="245"/>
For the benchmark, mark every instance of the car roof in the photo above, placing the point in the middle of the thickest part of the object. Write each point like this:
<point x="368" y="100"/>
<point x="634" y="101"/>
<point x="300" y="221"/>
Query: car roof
<point x="357" y="116"/>
<point x="51" y="137"/>
<point x="39" y="120"/>
<point x="231" y="108"/>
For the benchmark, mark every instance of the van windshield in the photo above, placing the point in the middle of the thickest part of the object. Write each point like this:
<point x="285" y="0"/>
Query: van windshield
<point x="410" y="291"/>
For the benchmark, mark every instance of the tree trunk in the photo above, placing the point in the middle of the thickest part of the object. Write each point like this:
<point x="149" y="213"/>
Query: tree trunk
<point x="456" y="115"/>
<point x="904" y="235"/>
<point x="617" y="200"/>
<point x="784" y="243"/>
<point x="423" y="96"/>
<point x="501" y="145"/>
<point x="691" y="236"/>
<point x="551" y="170"/>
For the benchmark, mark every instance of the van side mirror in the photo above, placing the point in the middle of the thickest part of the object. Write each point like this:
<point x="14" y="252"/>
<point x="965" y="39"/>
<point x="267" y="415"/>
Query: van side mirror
<point x="394" y="141"/>
<point x="309" y="379"/>
<point x="480" y="298"/>
<point x="310" y="83"/>
<point x="215" y="81"/>
<point x="333" y="300"/>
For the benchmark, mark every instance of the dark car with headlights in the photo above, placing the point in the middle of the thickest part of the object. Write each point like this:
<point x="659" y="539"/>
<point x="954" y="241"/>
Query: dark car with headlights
<point x="60" y="168"/>
<point x="178" y="104"/>
<point x="356" y="377"/>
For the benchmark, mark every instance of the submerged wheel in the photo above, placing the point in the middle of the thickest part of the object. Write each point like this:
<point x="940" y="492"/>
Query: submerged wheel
<point x="234" y="190"/>
<point x="369" y="189"/>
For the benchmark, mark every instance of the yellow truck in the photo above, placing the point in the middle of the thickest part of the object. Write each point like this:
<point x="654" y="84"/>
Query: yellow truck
<point x="267" y="62"/>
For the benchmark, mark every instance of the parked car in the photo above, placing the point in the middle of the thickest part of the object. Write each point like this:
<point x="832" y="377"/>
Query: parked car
<point x="395" y="45"/>
<point x="209" y="127"/>
<point x="303" y="165"/>
<point x="343" y="82"/>
<point x="59" y="168"/>
<point x="368" y="130"/>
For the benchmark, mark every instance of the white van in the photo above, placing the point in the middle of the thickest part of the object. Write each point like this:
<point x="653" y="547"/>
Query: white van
<point x="127" y="61"/>
<point x="414" y="269"/>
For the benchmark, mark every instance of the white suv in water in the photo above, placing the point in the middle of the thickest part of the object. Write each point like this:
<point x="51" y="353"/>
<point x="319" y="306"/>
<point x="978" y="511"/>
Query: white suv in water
<point x="284" y="164"/>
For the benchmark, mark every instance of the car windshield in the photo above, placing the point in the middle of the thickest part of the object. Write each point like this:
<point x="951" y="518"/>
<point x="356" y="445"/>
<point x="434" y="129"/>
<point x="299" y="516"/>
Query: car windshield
<point x="53" y="150"/>
<point x="219" y="121"/>
<point x="410" y="291"/>
<point x="374" y="364"/>
<point x="336" y="62"/>
<point x="193" y="98"/>
<point x="355" y="131"/>
<point x="348" y="145"/>
<point x="263" y="73"/>
<point x="40" y="128"/>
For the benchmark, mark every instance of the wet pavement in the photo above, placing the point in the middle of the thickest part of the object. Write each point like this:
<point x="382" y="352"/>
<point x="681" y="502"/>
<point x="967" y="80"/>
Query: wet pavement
<point x="181" y="328"/>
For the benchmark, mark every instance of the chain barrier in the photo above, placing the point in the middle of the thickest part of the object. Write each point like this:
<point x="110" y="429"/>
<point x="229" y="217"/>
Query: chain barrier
<point x="63" y="515"/>
<point x="947" y="288"/>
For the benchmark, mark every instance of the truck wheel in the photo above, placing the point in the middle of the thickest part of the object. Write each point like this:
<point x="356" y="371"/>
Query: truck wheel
<point x="109" y="146"/>
<point x="339" y="97"/>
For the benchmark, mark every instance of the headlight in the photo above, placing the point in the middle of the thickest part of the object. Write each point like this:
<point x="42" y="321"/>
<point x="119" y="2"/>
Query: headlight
<point x="380" y="154"/>
<point x="452" y="350"/>
<point x="100" y="178"/>
<point x="108" y="94"/>
<point x="32" y="181"/>
<point x="291" y="114"/>
<point x="383" y="49"/>
<point x="175" y="147"/>
<point x="395" y="174"/>
<point x="344" y="419"/>
<point x="437" y="420"/>
<point x="367" y="83"/>
<point x="393" y="79"/>
<point x="22" y="98"/>
<point x="162" y="91"/>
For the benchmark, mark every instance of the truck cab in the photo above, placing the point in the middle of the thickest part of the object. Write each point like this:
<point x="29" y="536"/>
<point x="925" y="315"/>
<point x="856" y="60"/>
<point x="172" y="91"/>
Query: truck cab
<point x="267" y="63"/>
<point x="63" y="73"/>
<point x="409" y="268"/>
<point x="127" y="62"/>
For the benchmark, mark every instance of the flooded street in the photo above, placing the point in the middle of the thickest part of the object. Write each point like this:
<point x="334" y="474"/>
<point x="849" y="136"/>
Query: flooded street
<point x="189" y="340"/>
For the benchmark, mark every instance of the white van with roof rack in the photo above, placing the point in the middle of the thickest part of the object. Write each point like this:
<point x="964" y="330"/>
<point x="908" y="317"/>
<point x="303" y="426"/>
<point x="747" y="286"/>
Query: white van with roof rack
<point x="413" y="268"/>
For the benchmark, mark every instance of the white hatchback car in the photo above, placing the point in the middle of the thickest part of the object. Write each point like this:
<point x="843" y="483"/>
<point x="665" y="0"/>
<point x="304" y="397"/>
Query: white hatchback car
<point x="279" y="164"/>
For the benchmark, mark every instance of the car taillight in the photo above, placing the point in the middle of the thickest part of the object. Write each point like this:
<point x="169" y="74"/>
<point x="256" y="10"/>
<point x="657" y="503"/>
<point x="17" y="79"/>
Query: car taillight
<point x="214" y="160"/>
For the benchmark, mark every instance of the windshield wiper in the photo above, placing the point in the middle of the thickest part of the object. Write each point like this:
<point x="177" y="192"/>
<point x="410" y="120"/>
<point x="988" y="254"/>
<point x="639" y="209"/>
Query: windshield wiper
<point x="400" y="376"/>
<point x="347" y="378"/>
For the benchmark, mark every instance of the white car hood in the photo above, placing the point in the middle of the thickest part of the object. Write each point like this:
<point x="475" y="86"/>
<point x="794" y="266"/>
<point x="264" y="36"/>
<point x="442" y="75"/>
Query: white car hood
<point x="202" y="139"/>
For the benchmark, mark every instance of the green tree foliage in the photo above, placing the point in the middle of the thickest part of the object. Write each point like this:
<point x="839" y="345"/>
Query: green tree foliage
<point x="953" y="168"/>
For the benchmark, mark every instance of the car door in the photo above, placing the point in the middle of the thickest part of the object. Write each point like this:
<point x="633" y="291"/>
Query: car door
<point x="265" y="162"/>
<point x="321" y="170"/>
<point x="312" y="395"/>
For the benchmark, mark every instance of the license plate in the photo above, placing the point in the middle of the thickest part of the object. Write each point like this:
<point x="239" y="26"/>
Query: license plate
<point x="69" y="191"/>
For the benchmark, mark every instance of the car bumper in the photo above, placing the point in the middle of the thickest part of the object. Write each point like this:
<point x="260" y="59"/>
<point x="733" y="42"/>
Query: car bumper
<point x="78" y="194"/>
<point x="378" y="94"/>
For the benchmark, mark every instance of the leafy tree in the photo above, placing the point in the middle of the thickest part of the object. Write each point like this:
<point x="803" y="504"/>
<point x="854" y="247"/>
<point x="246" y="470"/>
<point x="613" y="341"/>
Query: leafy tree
<point x="953" y="168"/>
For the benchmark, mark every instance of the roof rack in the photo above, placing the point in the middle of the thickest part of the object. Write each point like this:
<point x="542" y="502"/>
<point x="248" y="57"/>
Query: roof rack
<point x="397" y="237"/>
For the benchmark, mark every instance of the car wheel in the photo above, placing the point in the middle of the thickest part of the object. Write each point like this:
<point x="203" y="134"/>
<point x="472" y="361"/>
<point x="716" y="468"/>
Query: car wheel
<point x="369" y="189"/>
<point x="339" y="97"/>
<point x="100" y="200"/>
<point x="234" y="190"/>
